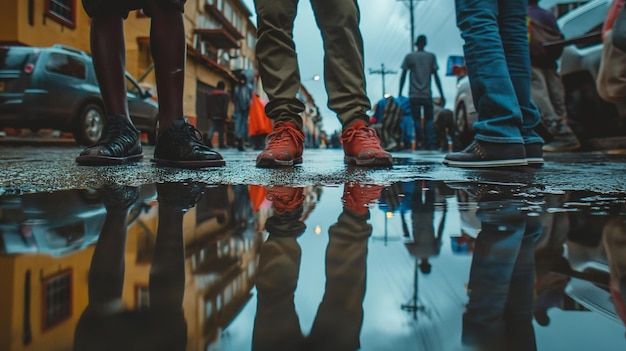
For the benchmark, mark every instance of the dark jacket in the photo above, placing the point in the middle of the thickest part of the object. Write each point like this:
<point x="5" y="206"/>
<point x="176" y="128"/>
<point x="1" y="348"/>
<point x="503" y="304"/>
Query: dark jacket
<point x="217" y="105"/>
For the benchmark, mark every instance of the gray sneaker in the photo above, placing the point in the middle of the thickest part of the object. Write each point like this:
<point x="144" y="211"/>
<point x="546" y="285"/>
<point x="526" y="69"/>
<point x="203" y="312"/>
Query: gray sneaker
<point x="562" y="143"/>
<point x="482" y="154"/>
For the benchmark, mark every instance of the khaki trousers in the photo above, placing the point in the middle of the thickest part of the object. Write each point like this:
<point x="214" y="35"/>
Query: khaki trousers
<point x="344" y="77"/>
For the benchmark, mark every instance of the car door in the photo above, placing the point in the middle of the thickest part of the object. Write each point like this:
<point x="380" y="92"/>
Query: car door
<point x="143" y="110"/>
<point x="62" y="79"/>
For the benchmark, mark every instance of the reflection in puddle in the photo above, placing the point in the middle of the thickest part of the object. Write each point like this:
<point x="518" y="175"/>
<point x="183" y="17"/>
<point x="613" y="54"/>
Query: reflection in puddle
<point x="415" y="265"/>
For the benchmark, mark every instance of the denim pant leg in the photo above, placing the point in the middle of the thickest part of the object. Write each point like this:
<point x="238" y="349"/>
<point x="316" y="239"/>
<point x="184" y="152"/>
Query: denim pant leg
<point x="241" y="124"/>
<point x="499" y="113"/>
<point x="514" y="32"/>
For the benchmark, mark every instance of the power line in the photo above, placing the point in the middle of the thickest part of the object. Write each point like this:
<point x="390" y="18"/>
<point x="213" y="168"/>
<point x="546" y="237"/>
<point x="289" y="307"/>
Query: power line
<point x="411" y="4"/>
<point x="382" y="71"/>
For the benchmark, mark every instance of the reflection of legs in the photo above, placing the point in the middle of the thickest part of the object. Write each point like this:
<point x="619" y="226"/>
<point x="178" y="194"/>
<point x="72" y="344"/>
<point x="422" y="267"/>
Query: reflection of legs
<point x="499" y="313"/>
<point x="495" y="255"/>
<point x="518" y="313"/>
<point x="99" y="324"/>
<point x="106" y="274"/>
<point x="276" y="325"/>
<point x="340" y="315"/>
<point x="167" y="274"/>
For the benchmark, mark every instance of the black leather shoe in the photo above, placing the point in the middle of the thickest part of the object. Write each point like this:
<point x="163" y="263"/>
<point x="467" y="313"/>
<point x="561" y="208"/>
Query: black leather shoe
<point x="118" y="144"/>
<point x="181" y="146"/>
<point x="482" y="154"/>
<point x="534" y="154"/>
<point x="180" y="196"/>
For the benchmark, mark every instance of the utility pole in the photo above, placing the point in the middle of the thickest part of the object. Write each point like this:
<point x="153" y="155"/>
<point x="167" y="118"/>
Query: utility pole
<point x="411" y="4"/>
<point x="382" y="71"/>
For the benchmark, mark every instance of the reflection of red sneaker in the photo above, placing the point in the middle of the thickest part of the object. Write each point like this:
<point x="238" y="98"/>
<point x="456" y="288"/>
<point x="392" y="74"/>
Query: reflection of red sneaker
<point x="284" y="147"/>
<point x="357" y="197"/>
<point x="285" y="199"/>
<point x="362" y="147"/>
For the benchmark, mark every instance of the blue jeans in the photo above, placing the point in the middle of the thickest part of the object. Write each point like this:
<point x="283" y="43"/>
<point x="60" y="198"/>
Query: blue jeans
<point x="498" y="66"/>
<point x="426" y="137"/>
<point x="499" y="312"/>
<point x="241" y="124"/>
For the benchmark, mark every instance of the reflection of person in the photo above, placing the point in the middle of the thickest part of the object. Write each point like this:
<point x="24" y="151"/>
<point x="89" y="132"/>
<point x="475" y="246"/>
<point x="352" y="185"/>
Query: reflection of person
<point x="178" y="142"/>
<point x="343" y="74"/>
<point x="426" y="243"/>
<point x="550" y="262"/>
<point x="422" y="65"/>
<point x="217" y="109"/>
<point x="498" y="66"/>
<point x="546" y="87"/>
<point x="614" y="241"/>
<point x="338" y="322"/>
<point x="241" y="99"/>
<point x="499" y="313"/>
<point x="106" y="324"/>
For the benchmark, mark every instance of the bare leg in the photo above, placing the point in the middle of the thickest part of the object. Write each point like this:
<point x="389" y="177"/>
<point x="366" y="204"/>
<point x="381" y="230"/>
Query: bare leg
<point x="109" y="58"/>
<point x="168" y="46"/>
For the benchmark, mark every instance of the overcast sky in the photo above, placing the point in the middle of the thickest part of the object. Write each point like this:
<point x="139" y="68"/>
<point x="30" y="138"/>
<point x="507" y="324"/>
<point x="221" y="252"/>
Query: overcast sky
<point x="385" y="25"/>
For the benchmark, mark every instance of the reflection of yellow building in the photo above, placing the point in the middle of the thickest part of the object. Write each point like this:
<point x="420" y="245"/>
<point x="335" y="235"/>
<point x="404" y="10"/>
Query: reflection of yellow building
<point x="43" y="297"/>
<point x="220" y="39"/>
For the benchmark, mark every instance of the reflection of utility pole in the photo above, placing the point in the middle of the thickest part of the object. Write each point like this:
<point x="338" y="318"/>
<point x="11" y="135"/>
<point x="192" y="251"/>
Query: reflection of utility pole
<point x="382" y="71"/>
<point x="412" y="12"/>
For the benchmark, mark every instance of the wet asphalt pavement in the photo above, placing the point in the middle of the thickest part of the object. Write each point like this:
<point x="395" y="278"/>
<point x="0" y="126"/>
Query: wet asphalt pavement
<point x="317" y="257"/>
<point x="34" y="167"/>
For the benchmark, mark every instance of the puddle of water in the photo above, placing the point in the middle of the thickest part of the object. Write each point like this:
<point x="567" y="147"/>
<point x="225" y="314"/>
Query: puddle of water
<point x="416" y="265"/>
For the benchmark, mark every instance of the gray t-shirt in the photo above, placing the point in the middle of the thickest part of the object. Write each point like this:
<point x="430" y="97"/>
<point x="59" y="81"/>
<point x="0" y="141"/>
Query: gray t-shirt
<point x="422" y="65"/>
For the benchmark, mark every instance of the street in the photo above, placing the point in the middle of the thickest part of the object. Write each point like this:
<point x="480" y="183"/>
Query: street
<point x="319" y="257"/>
<point x="49" y="165"/>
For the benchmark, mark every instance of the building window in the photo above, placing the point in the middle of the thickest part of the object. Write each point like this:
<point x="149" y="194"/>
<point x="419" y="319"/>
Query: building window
<point x="142" y="297"/>
<point x="57" y="295"/>
<point x="63" y="11"/>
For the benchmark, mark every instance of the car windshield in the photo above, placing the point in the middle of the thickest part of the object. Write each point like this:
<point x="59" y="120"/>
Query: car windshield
<point x="14" y="58"/>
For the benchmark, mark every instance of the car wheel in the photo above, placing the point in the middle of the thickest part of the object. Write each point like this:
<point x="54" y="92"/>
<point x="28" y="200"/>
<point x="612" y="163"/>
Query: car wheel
<point x="463" y="134"/>
<point x="89" y="124"/>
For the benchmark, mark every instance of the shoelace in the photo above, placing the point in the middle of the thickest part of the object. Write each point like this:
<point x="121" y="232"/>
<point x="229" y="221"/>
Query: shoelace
<point x="277" y="138"/>
<point x="366" y="135"/>
<point x="189" y="133"/>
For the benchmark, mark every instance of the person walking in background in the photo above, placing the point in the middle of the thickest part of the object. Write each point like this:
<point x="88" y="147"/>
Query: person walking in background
<point x="179" y="144"/>
<point x="546" y="88"/>
<point x="217" y="109"/>
<point x="423" y="66"/>
<point x="344" y="77"/>
<point x="241" y="99"/>
<point x="498" y="66"/>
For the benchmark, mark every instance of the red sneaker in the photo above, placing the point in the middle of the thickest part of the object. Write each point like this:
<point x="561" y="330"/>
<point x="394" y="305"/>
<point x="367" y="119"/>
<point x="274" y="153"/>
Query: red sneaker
<point x="357" y="197"/>
<point x="284" y="148"/>
<point x="285" y="199"/>
<point x="362" y="147"/>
